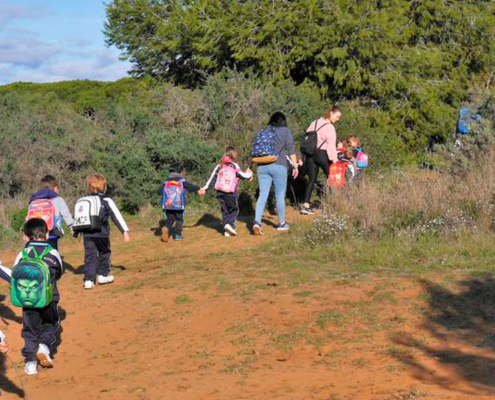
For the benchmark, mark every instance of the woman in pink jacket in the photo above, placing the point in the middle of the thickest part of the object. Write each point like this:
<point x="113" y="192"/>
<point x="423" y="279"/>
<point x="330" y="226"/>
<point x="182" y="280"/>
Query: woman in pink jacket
<point x="326" y="152"/>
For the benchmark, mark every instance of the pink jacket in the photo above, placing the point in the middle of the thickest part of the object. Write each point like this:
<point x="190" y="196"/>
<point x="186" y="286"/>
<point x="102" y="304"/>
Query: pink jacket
<point x="327" y="137"/>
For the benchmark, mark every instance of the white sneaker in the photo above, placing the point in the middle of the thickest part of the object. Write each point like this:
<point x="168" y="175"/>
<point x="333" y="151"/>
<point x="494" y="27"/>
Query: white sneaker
<point x="105" y="279"/>
<point x="31" y="368"/>
<point x="228" y="228"/>
<point x="43" y="356"/>
<point x="89" y="285"/>
<point x="226" y="234"/>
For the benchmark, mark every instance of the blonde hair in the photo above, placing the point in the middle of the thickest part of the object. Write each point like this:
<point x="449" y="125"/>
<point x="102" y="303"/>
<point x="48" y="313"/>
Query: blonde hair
<point x="333" y="109"/>
<point x="355" y="139"/>
<point x="96" y="183"/>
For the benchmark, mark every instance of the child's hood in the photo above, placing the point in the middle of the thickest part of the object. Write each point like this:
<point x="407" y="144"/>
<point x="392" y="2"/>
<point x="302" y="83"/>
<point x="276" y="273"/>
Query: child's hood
<point x="174" y="176"/>
<point x="43" y="194"/>
<point x="227" y="159"/>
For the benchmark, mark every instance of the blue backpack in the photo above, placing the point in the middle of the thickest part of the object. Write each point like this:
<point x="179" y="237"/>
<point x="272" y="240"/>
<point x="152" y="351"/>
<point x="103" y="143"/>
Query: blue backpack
<point x="174" y="196"/>
<point x="466" y="121"/>
<point x="263" y="149"/>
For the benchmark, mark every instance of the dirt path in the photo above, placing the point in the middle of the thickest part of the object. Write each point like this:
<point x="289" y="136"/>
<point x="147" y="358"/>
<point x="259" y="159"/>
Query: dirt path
<point x="212" y="318"/>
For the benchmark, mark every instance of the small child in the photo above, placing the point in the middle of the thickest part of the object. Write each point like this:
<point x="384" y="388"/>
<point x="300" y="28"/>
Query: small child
<point x="49" y="190"/>
<point x="343" y="172"/>
<point x="97" y="251"/>
<point x="224" y="179"/>
<point x="4" y="274"/>
<point x="341" y="147"/>
<point x="359" y="157"/>
<point x="173" y="191"/>
<point x="39" y="325"/>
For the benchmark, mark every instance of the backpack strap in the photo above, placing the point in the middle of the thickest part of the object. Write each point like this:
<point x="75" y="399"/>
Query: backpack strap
<point x="317" y="130"/>
<point x="37" y="256"/>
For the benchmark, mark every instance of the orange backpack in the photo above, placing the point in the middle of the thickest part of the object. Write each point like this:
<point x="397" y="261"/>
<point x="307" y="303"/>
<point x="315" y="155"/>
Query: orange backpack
<point x="336" y="176"/>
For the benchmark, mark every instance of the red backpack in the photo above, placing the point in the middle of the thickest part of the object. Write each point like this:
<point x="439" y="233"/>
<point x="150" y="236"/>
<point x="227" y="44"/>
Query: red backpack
<point x="336" y="176"/>
<point x="44" y="209"/>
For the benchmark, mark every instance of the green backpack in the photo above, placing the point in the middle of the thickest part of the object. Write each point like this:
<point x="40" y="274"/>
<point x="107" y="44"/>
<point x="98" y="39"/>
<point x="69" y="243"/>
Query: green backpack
<point x="30" y="285"/>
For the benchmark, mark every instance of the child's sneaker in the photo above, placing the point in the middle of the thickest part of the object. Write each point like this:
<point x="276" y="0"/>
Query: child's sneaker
<point x="105" y="279"/>
<point x="89" y="285"/>
<point x="31" y="368"/>
<point x="178" y="237"/>
<point x="307" y="211"/>
<point x="164" y="235"/>
<point x="257" y="229"/>
<point x="284" y="226"/>
<point x="229" y="229"/>
<point x="226" y="234"/>
<point x="43" y="356"/>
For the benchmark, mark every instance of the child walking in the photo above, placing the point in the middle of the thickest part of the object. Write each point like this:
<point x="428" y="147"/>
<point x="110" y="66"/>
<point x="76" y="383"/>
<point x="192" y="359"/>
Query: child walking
<point x="173" y="191"/>
<point x="47" y="204"/>
<point x="224" y="180"/>
<point x="40" y="321"/>
<point x="97" y="251"/>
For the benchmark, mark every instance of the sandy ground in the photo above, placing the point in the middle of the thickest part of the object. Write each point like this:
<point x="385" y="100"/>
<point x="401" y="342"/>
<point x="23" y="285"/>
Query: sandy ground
<point x="202" y="319"/>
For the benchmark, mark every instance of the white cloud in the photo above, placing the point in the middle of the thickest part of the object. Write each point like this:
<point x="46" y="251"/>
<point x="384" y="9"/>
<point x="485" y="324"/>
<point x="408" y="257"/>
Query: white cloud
<point x="11" y="11"/>
<point x="25" y="55"/>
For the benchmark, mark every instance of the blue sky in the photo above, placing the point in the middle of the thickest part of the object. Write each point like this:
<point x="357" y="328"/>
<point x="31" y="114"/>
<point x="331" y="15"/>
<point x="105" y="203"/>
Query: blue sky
<point x="55" y="40"/>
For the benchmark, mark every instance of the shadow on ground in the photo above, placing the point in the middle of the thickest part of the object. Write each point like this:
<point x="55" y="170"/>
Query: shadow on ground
<point x="462" y="320"/>
<point x="6" y="385"/>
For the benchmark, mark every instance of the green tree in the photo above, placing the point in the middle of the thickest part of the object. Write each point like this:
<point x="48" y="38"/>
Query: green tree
<point x="413" y="59"/>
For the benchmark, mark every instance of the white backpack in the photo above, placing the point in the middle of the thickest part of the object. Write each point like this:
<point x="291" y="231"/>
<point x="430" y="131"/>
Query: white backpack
<point x="87" y="214"/>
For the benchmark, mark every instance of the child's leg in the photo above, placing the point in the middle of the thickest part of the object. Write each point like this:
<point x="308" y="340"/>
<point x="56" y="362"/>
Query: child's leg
<point x="179" y="222"/>
<point x="90" y="259"/>
<point x="104" y="256"/>
<point x="223" y="208"/>
<point x="169" y="222"/>
<point x="232" y="209"/>
<point x="31" y="325"/>
<point x="50" y="325"/>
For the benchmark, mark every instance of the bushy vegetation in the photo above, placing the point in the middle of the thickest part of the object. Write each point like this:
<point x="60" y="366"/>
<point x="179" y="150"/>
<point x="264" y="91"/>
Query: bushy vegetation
<point x="132" y="131"/>
<point x="409" y="63"/>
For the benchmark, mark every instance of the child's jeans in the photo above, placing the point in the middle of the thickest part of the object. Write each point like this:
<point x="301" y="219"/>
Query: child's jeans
<point x="229" y="207"/>
<point x="174" y="222"/>
<point x="39" y="326"/>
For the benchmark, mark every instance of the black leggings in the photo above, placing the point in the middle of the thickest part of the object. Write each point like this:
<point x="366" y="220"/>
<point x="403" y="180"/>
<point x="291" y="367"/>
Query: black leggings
<point x="313" y="164"/>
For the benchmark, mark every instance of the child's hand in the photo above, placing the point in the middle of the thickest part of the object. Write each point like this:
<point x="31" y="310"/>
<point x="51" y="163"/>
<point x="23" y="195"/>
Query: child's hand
<point x="201" y="192"/>
<point x="4" y="348"/>
<point x="127" y="238"/>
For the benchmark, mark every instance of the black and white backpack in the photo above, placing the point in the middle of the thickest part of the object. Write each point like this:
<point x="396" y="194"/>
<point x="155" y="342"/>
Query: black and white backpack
<point x="87" y="214"/>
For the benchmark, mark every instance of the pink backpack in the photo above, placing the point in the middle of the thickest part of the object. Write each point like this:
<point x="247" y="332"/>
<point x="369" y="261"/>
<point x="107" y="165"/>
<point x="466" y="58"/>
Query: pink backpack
<point x="362" y="159"/>
<point x="227" y="178"/>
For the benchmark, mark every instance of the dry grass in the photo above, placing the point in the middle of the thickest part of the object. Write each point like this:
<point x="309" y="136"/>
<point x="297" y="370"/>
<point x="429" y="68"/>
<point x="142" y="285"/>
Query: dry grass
<point x="420" y="201"/>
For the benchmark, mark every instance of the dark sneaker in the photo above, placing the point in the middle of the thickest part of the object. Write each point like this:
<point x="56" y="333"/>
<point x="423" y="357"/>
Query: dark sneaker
<point x="257" y="229"/>
<point x="307" y="211"/>
<point x="283" y="227"/>
<point x="178" y="237"/>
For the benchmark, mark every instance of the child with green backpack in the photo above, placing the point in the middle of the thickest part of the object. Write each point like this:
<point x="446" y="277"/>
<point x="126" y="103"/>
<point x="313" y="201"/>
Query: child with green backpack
<point x="33" y="286"/>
